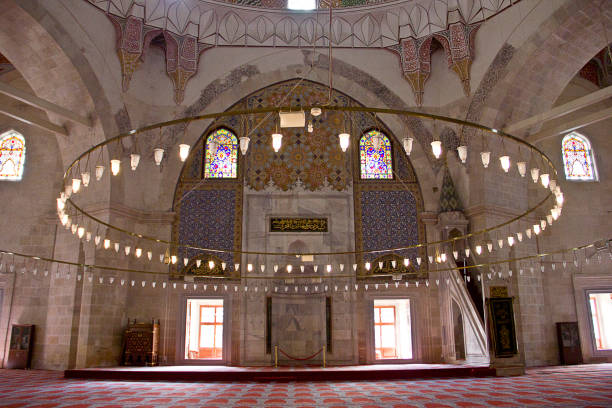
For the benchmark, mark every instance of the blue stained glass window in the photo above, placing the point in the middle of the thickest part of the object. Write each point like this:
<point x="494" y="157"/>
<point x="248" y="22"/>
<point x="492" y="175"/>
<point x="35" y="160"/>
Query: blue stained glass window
<point x="578" y="158"/>
<point x="12" y="155"/>
<point x="375" y="163"/>
<point x="221" y="159"/>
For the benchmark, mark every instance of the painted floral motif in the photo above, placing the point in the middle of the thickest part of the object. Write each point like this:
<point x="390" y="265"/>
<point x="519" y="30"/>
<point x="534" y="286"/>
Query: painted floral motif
<point x="312" y="159"/>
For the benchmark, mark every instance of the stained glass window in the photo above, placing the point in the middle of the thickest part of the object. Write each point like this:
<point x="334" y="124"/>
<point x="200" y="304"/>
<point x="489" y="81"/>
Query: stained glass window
<point x="578" y="158"/>
<point x="221" y="155"/>
<point x="375" y="163"/>
<point x="12" y="155"/>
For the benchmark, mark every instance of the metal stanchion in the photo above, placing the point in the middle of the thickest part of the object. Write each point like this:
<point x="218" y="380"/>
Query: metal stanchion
<point x="324" y="356"/>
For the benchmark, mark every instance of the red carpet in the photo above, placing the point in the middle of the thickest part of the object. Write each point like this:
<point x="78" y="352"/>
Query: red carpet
<point x="575" y="386"/>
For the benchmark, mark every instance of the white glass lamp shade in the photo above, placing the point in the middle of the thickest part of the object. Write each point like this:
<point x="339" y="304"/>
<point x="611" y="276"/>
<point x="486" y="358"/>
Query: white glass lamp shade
<point x="277" y="141"/>
<point x="419" y="260"/>
<point x="198" y="263"/>
<point x="158" y="155"/>
<point x="97" y="240"/>
<point x="244" y="144"/>
<point x="86" y="177"/>
<point x="406" y="262"/>
<point x="377" y="141"/>
<point x="467" y="252"/>
<point x="490" y="246"/>
<point x="536" y="228"/>
<point x="138" y="252"/>
<point x="522" y="168"/>
<point x="173" y="259"/>
<point x="68" y="190"/>
<point x="211" y="264"/>
<point x="519" y="236"/>
<point x="289" y="268"/>
<point x="116" y="247"/>
<point x="560" y="198"/>
<point x="407" y="142"/>
<point x="510" y="240"/>
<point x="552" y="185"/>
<point x="528" y="233"/>
<point x="443" y="256"/>
<point x="106" y="243"/>
<point x="549" y="219"/>
<point x="344" y="141"/>
<point x="134" y="160"/>
<point x="76" y="185"/>
<point x="545" y="179"/>
<point x="543" y="224"/>
<point x="328" y="268"/>
<point x="367" y="266"/>
<point x="263" y="268"/>
<point x="250" y="267"/>
<point x="60" y="204"/>
<point x="149" y="255"/>
<point x="486" y="158"/>
<point x="500" y="243"/>
<point x="115" y="166"/>
<point x="535" y="174"/>
<point x="81" y="231"/>
<point x="462" y="151"/>
<point x="99" y="172"/>
<point x="436" y="148"/>
<point x="505" y="163"/>
<point x="478" y="249"/>
<point x="73" y="228"/>
<point x="184" y="151"/>
<point x="127" y="250"/>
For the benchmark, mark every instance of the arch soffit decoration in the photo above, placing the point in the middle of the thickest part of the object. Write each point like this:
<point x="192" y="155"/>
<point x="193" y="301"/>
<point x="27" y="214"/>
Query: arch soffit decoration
<point x="406" y="28"/>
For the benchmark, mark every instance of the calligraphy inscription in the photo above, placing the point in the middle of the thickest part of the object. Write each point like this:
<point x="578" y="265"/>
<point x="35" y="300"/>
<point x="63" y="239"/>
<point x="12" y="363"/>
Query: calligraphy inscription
<point x="278" y="224"/>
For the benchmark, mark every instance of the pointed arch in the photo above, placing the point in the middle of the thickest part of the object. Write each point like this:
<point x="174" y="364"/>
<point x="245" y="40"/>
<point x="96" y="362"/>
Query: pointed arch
<point x="221" y="154"/>
<point x="375" y="163"/>
<point x="12" y="155"/>
<point x="578" y="158"/>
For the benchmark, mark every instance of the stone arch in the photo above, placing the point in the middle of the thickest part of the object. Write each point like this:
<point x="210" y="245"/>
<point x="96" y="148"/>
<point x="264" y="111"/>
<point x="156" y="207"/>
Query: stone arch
<point x="56" y="70"/>
<point x="542" y="67"/>
<point x="222" y="93"/>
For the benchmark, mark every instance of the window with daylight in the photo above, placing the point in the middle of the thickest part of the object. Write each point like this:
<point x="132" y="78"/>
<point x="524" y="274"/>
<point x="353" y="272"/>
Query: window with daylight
<point x="392" y="331"/>
<point x="578" y="158"/>
<point x="601" y="313"/>
<point x="204" y="329"/>
<point x="221" y="159"/>
<point x="12" y="155"/>
<point x="375" y="163"/>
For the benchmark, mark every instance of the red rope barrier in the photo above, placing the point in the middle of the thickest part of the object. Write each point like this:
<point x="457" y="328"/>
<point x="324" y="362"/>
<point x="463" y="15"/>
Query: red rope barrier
<point x="301" y="359"/>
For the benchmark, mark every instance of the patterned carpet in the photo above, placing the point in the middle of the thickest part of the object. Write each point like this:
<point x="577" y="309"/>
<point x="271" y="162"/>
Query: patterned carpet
<point x="577" y="386"/>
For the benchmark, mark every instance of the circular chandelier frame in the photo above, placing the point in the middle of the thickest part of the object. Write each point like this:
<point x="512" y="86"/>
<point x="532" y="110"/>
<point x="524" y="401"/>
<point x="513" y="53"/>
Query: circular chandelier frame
<point x="488" y="131"/>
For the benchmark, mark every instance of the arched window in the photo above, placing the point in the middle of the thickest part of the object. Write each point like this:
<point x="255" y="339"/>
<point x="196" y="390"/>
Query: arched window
<point x="578" y="158"/>
<point x="375" y="163"/>
<point x="12" y="155"/>
<point x="221" y="155"/>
